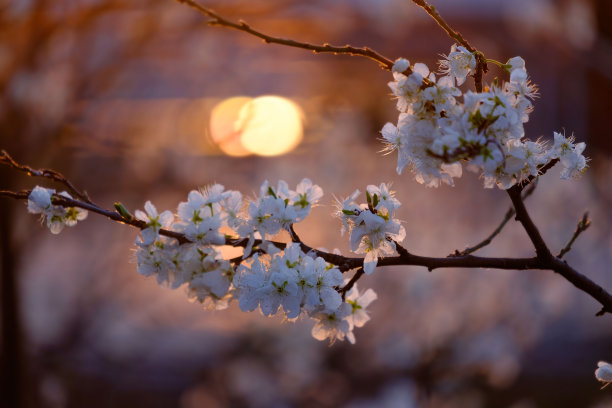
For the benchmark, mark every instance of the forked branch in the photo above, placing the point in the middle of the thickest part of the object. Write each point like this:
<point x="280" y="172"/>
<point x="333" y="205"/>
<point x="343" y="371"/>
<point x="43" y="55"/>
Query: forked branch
<point x="507" y="217"/>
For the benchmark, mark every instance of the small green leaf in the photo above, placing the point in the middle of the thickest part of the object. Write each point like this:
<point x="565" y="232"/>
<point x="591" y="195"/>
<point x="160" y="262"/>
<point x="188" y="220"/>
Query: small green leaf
<point x="123" y="211"/>
<point x="271" y="192"/>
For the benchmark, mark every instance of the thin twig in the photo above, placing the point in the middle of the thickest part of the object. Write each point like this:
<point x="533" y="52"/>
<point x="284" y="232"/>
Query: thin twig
<point x="6" y="159"/>
<point x="507" y="217"/>
<point x="541" y="171"/>
<point x="582" y="226"/>
<point x="216" y="19"/>
<point x="21" y="195"/>
<point x="455" y="35"/>
<point x="481" y="62"/>
<point x="349" y="285"/>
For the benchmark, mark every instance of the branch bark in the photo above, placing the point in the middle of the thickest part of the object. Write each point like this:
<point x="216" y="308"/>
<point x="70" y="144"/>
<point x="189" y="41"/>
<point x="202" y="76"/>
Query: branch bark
<point x="218" y="20"/>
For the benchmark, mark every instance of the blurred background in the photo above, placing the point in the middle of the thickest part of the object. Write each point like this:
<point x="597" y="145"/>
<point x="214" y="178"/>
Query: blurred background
<point x="138" y="100"/>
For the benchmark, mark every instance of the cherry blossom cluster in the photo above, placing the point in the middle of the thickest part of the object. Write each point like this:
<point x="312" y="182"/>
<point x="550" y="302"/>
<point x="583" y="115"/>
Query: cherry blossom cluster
<point x="55" y="216"/>
<point x="302" y="284"/>
<point x="436" y="132"/>
<point x="373" y="230"/>
<point x="269" y="277"/>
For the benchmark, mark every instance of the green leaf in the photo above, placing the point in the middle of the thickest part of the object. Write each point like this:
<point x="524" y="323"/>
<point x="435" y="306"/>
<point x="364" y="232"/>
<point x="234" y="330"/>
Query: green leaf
<point x="271" y="192"/>
<point x="123" y="211"/>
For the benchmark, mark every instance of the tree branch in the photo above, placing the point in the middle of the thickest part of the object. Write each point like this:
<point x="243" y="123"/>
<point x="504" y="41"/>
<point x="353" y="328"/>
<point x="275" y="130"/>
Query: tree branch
<point x="216" y="19"/>
<point x="507" y="217"/>
<point x="349" y="285"/>
<point x="347" y="263"/>
<point x="543" y="260"/>
<point x="582" y="226"/>
<point x="6" y="159"/>
<point x="541" y="171"/>
<point x="481" y="61"/>
<point x="584" y="284"/>
<point x="455" y="35"/>
<point x="523" y="217"/>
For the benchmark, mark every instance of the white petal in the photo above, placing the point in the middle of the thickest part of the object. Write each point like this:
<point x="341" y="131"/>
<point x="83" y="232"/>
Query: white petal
<point x="248" y="302"/>
<point x="150" y="209"/>
<point x="320" y="332"/>
<point x="141" y="215"/>
<point x="360" y="318"/>
<point x="370" y="262"/>
<point x="55" y="227"/>
<point x="269" y="304"/>
<point x="331" y="299"/>
<point x="166" y="218"/>
<point x="148" y="236"/>
<point x="400" y="65"/>
<point x="604" y="372"/>
<point x="291" y="306"/>
<point x="368" y="297"/>
<point x="421" y="69"/>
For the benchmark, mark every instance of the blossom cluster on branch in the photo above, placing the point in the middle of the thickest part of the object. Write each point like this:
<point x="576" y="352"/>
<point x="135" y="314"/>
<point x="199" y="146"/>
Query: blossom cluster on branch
<point x="274" y="280"/>
<point x="55" y="216"/>
<point x="267" y="278"/>
<point x="436" y="133"/>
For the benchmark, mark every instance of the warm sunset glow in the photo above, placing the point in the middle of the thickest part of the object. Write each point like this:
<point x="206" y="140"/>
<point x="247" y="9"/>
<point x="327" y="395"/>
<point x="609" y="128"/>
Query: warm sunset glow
<point x="271" y="125"/>
<point x="223" y="126"/>
<point x="266" y="126"/>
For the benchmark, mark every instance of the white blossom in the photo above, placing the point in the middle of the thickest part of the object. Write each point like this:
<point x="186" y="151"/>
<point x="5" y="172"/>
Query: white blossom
<point x="458" y="64"/>
<point x="604" y="373"/>
<point x="248" y="282"/>
<point x="39" y="200"/>
<point x="333" y="324"/>
<point x="401" y="65"/>
<point x="304" y="197"/>
<point x="154" y="222"/>
<point x="55" y="216"/>
<point x="210" y="279"/>
<point x="319" y="284"/>
<point x="359" y="302"/>
<point x="569" y="154"/>
<point x="156" y="259"/>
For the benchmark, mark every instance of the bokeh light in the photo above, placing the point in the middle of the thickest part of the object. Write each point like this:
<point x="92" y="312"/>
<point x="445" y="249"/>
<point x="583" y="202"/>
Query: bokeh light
<point x="265" y="126"/>
<point x="223" y="129"/>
